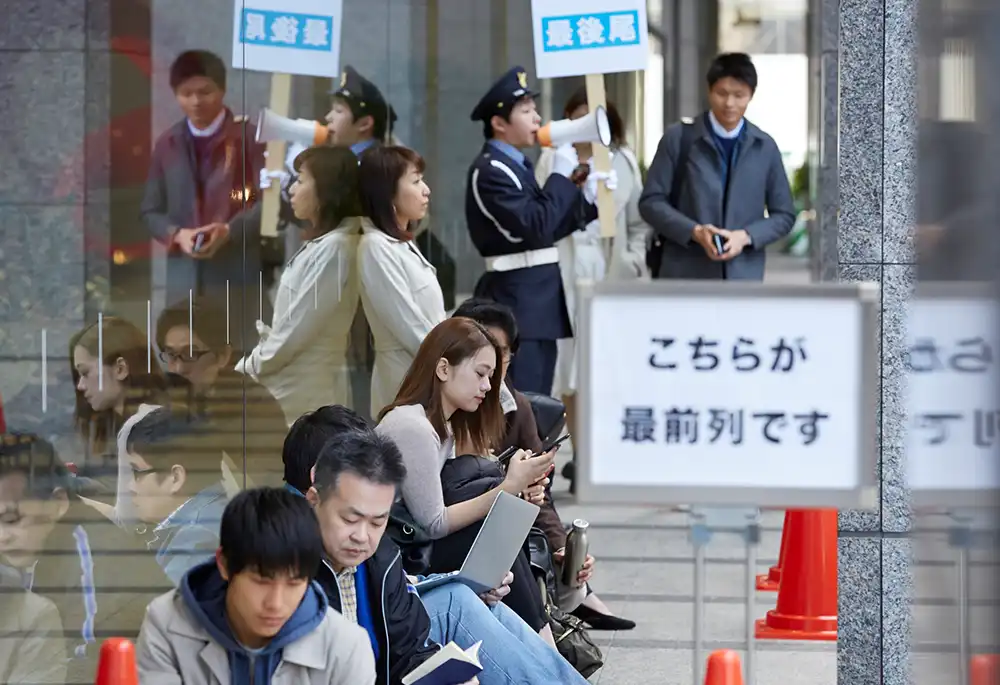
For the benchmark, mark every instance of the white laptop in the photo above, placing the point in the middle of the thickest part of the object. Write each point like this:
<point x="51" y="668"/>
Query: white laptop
<point x="495" y="548"/>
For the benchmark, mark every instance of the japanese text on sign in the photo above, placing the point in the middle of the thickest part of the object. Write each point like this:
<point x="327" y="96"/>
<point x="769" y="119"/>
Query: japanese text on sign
<point x="588" y="31"/>
<point x="580" y="37"/>
<point x="288" y="36"/>
<point x="688" y="425"/>
<point x="286" y="30"/>
<point x="721" y="393"/>
<point x="954" y="413"/>
<point x="780" y="356"/>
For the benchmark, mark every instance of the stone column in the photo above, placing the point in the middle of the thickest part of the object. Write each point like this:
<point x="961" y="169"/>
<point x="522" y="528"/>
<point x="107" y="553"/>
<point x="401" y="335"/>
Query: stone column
<point x="55" y="77"/>
<point x="865" y="134"/>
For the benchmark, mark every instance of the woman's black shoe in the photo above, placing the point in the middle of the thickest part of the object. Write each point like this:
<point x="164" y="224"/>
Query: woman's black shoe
<point x="599" y="621"/>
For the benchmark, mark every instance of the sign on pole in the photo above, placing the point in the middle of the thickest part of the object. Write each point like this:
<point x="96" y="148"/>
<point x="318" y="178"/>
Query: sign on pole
<point x="285" y="37"/>
<point x="591" y="38"/>
<point x="954" y="413"/>
<point x="702" y="393"/>
<point x="579" y="37"/>
<point x="288" y="36"/>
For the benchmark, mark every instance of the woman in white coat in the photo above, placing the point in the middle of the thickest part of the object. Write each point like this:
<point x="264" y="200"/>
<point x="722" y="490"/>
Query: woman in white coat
<point x="302" y="356"/>
<point x="400" y="292"/>
<point x="584" y="256"/>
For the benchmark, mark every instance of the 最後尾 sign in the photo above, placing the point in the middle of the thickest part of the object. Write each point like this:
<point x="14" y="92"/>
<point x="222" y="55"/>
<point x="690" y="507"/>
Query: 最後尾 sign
<point x="288" y="36"/>
<point x="953" y="437"/>
<point x="578" y="37"/>
<point x="701" y="393"/>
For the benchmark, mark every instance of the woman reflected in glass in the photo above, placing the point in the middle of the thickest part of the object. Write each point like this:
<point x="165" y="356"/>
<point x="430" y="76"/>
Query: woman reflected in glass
<point x="302" y="356"/>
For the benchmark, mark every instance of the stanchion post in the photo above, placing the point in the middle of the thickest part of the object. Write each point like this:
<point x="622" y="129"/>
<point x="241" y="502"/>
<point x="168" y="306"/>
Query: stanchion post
<point x="704" y="522"/>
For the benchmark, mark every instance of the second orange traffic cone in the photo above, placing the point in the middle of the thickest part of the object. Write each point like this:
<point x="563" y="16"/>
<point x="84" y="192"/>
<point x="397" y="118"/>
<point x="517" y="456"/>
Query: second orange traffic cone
<point x="807" y="597"/>
<point x="770" y="581"/>
<point x="724" y="668"/>
<point x="116" y="665"/>
<point x="984" y="669"/>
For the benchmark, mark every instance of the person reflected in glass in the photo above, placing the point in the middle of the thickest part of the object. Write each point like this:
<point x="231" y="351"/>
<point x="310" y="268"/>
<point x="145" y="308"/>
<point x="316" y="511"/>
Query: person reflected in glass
<point x="54" y="546"/>
<point x="302" y="356"/>
<point x="176" y="484"/>
<point x="400" y="293"/>
<point x="201" y="194"/>
<point x="194" y="348"/>
<point x="113" y="376"/>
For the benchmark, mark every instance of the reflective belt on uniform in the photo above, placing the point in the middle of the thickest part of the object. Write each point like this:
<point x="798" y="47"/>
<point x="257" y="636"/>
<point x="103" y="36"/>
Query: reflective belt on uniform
<point x="523" y="260"/>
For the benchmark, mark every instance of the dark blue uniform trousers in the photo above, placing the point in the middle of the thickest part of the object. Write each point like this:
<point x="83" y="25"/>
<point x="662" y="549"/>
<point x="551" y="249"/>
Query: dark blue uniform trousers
<point x="533" y="368"/>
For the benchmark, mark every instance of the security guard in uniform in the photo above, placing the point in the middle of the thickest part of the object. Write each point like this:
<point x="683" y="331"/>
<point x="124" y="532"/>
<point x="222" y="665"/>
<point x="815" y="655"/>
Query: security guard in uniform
<point x="515" y="225"/>
<point x="359" y="116"/>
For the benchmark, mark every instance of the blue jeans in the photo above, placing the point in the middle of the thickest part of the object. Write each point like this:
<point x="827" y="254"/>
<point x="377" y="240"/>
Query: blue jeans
<point x="511" y="653"/>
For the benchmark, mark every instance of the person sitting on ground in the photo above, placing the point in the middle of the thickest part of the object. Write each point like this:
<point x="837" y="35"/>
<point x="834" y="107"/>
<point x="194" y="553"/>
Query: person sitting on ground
<point x="253" y="614"/>
<point x="357" y="475"/>
<point x="448" y="405"/>
<point x="522" y="432"/>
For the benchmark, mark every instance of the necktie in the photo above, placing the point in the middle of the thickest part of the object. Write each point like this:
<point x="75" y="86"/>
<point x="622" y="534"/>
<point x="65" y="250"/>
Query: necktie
<point x="528" y="165"/>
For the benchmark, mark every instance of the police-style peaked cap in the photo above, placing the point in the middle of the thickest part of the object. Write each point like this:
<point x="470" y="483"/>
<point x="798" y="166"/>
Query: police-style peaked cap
<point x="502" y="95"/>
<point x="364" y="96"/>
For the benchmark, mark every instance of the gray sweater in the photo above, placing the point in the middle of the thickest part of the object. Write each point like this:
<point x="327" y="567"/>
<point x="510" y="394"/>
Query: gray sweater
<point x="424" y="456"/>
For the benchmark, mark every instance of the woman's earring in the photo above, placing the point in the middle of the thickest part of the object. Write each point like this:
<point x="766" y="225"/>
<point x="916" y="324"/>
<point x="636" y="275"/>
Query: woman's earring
<point x="394" y="211"/>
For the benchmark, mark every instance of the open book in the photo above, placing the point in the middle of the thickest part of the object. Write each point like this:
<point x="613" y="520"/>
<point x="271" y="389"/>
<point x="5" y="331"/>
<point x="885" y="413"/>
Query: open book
<point x="450" y="666"/>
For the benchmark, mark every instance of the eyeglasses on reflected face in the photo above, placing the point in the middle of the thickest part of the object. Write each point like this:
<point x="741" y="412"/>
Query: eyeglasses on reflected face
<point x="187" y="357"/>
<point x="138" y="473"/>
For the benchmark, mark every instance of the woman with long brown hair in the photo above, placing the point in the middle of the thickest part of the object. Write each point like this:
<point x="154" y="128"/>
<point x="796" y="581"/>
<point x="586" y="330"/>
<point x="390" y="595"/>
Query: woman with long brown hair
<point x="113" y="373"/>
<point x="449" y="396"/>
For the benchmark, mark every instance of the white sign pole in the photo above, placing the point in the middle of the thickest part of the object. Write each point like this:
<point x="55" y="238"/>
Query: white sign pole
<point x="281" y="98"/>
<point x="705" y="394"/>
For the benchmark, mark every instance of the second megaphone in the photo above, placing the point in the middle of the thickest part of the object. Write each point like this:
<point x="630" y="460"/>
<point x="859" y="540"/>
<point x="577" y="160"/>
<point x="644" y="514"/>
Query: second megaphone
<point x="271" y="126"/>
<point x="593" y="128"/>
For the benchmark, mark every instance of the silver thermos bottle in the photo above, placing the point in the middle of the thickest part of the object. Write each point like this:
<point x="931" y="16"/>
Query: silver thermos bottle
<point x="576" y="553"/>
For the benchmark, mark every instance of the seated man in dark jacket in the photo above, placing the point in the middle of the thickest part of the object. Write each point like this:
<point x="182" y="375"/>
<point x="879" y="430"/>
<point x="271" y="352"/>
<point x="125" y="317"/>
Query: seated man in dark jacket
<point x="356" y="476"/>
<point x="522" y="432"/>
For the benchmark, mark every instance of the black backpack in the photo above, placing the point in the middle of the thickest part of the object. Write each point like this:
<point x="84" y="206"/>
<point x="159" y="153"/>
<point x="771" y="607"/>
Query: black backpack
<point x="654" y="255"/>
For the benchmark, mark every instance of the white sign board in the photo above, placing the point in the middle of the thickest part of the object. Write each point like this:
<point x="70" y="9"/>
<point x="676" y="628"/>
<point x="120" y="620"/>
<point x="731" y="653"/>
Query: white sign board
<point x="954" y="432"/>
<point x="288" y="36"/>
<point x="579" y="37"/>
<point x="707" y="393"/>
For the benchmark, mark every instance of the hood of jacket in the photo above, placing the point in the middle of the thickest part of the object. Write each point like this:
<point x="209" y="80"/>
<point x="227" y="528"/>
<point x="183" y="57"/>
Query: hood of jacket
<point x="204" y="593"/>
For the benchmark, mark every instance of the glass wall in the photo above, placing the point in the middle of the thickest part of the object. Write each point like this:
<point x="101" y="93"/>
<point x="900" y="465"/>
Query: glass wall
<point x="137" y="271"/>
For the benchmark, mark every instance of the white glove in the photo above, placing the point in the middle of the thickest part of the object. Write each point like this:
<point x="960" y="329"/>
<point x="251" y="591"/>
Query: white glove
<point x="268" y="176"/>
<point x="565" y="160"/>
<point x="263" y="330"/>
<point x="590" y="187"/>
<point x="611" y="179"/>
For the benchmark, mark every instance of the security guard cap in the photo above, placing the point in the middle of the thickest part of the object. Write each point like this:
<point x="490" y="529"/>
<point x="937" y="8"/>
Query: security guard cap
<point x="502" y="96"/>
<point x="362" y="95"/>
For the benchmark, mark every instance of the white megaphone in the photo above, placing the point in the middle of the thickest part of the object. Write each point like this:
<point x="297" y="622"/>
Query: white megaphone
<point x="271" y="126"/>
<point x="593" y="128"/>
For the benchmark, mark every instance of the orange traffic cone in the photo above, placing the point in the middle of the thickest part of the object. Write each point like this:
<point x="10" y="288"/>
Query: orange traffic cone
<point x="984" y="669"/>
<point x="724" y="668"/>
<point x="116" y="665"/>
<point x="769" y="582"/>
<point x="807" y="597"/>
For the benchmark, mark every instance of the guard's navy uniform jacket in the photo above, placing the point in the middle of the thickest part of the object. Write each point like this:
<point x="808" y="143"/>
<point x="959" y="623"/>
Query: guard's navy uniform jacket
<point x="515" y="225"/>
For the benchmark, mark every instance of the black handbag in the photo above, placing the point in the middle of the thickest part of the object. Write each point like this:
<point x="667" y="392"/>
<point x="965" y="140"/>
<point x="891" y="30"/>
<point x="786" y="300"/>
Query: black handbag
<point x="550" y="415"/>
<point x="413" y="542"/>
<point x="572" y="639"/>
